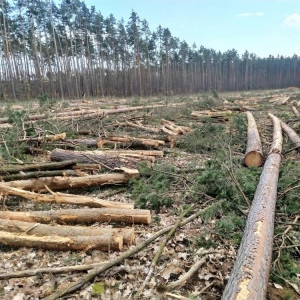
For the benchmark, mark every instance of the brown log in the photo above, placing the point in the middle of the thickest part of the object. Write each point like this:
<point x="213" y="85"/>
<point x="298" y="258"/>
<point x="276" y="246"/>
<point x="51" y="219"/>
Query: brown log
<point x="66" y="231"/>
<point x="127" y="141"/>
<point x="109" y="159"/>
<point x="250" y="274"/>
<point x="291" y="133"/>
<point x="38" y="174"/>
<point x="37" y="166"/>
<point x="253" y="156"/>
<point x="86" y="215"/>
<point x="65" y="183"/>
<point x="61" y="198"/>
<point x="59" y="243"/>
<point x="296" y="112"/>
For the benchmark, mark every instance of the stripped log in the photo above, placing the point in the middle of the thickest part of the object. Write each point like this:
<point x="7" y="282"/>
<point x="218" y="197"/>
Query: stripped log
<point x="296" y="112"/>
<point x="212" y="114"/>
<point x="65" y="183"/>
<point x="291" y="133"/>
<point x="37" y="166"/>
<point x="253" y="156"/>
<point x="250" y="274"/>
<point x="108" y="159"/>
<point x="59" y="243"/>
<point x="66" y="231"/>
<point x="87" y="215"/>
<point x="61" y="198"/>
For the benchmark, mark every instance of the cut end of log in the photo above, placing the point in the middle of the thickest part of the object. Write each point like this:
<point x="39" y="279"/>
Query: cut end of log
<point x="253" y="159"/>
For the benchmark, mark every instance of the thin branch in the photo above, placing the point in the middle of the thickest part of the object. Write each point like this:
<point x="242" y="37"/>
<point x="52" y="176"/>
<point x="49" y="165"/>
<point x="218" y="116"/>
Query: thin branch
<point x="90" y="276"/>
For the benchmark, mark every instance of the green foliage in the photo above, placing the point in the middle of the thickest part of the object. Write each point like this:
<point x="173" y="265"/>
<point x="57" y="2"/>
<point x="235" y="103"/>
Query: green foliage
<point x="203" y="139"/>
<point x="15" y="117"/>
<point x="151" y="189"/>
<point x="230" y="227"/>
<point x="288" y="179"/>
<point x="98" y="288"/>
<point x="202" y="242"/>
<point x="215" y="94"/>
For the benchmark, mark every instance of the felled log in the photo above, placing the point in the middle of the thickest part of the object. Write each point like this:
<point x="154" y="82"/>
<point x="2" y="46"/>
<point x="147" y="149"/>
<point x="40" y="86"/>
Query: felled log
<point x="65" y="183"/>
<point x="253" y="156"/>
<point x="212" y="114"/>
<point x="38" y="174"/>
<point x="127" y="141"/>
<point x="110" y="159"/>
<point x="296" y="112"/>
<point x="61" y="198"/>
<point x="141" y="126"/>
<point x="291" y="133"/>
<point x="59" y="243"/>
<point x="85" y="215"/>
<point x="279" y="100"/>
<point x="39" y="229"/>
<point x="37" y="166"/>
<point x="175" y="128"/>
<point x="250" y="274"/>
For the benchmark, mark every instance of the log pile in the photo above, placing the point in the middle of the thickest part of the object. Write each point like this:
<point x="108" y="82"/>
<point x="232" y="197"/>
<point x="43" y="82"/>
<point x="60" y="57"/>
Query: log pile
<point x="37" y="229"/>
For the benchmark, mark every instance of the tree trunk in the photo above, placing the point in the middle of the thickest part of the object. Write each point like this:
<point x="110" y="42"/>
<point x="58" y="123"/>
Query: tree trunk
<point x="65" y="231"/>
<point x="296" y="112"/>
<point x="61" y="198"/>
<point x="37" y="166"/>
<point x="38" y="174"/>
<point x="127" y="141"/>
<point x="59" y="243"/>
<point x="108" y="159"/>
<point x="291" y="133"/>
<point x="250" y="274"/>
<point x="65" y="183"/>
<point x="253" y="156"/>
<point x="83" y="215"/>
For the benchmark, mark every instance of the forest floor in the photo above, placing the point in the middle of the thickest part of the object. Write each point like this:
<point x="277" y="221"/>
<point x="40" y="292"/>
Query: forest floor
<point x="192" y="173"/>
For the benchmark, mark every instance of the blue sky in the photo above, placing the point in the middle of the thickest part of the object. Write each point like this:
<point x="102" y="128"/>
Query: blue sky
<point x="260" y="26"/>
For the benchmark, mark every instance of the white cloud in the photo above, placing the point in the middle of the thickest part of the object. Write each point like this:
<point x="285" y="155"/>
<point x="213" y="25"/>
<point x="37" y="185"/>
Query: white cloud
<point x="258" y="14"/>
<point x="292" y="20"/>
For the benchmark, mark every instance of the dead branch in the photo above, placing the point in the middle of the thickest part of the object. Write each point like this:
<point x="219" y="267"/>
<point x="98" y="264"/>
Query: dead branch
<point x="77" y="285"/>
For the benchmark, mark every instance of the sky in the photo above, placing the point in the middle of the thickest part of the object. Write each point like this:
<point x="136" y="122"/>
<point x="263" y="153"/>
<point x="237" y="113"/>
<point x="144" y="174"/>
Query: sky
<point x="262" y="27"/>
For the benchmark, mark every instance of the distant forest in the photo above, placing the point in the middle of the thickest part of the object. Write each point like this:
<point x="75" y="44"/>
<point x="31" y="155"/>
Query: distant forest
<point x="68" y="50"/>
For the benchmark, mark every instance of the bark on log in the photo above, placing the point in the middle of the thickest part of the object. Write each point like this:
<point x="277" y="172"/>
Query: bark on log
<point x="62" y="198"/>
<point x="108" y="159"/>
<point x="250" y="274"/>
<point x="127" y="141"/>
<point x="291" y="133"/>
<point x="37" y="166"/>
<point x="38" y="229"/>
<point x="212" y="114"/>
<point x="65" y="216"/>
<point x="38" y="174"/>
<point x="59" y="243"/>
<point x="253" y="156"/>
<point x="296" y="112"/>
<point x="65" y="183"/>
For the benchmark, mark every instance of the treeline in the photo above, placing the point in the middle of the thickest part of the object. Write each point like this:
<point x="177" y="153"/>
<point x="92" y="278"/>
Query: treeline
<point x="68" y="50"/>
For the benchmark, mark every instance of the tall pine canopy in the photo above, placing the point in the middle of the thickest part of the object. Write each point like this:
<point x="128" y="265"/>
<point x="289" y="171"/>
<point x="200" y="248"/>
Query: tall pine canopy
<point x="70" y="50"/>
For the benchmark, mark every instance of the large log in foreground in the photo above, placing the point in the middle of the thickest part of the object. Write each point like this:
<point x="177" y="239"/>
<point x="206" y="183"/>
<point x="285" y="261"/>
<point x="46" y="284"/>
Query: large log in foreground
<point x="66" y="231"/>
<point x="87" y="215"/>
<point x="253" y="156"/>
<point x="103" y="243"/>
<point x="62" y="198"/>
<point x="250" y="274"/>
<point x="65" y="183"/>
